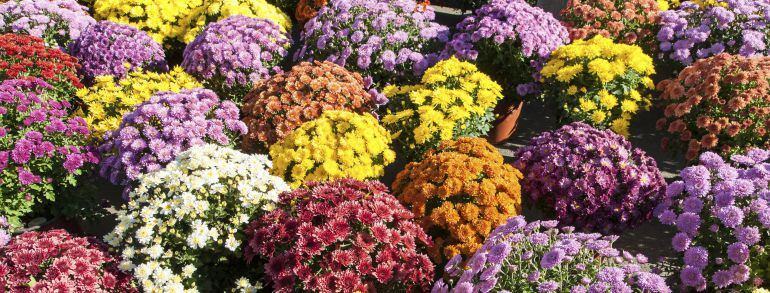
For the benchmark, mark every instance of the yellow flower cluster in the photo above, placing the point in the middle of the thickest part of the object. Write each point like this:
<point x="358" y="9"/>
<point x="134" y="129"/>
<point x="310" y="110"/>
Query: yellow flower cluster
<point x="169" y="20"/>
<point x="339" y="144"/>
<point x="108" y="100"/>
<point x="600" y="82"/>
<point x="459" y="193"/>
<point x="454" y="99"/>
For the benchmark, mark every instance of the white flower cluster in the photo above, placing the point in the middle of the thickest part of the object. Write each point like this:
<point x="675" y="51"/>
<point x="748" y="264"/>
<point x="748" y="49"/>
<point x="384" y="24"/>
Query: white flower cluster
<point x="196" y="206"/>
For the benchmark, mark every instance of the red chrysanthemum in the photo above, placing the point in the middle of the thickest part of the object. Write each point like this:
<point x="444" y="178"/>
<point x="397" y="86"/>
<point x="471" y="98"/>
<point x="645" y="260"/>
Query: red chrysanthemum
<point x="23" y="56"/>
<point x="323" y="239"/>
<point x="59" y="262"/>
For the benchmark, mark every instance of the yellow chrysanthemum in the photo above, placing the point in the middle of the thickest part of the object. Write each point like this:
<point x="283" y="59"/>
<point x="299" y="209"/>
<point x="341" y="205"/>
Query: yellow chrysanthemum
<point x="587" y="105"/>
<point x="453" y="99"/>
<point x="608" y="75"/>
<point x="598" y="116"/>
<point x="620" y="126"/>
<point x="338" y="144"/>
<point x="108" y="100"/>
<point x="167" y="20"/>
<point x="607" y="100"/>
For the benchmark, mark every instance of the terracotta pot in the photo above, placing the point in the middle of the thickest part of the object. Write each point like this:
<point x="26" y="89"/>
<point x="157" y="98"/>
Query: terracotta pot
<point x="508" y="113"/>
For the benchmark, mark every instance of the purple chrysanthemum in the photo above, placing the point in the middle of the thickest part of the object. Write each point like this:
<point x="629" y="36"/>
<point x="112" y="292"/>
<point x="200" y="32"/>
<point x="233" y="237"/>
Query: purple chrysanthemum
<point x="169" y="123"/>
<point x="499" y="33"/>
<point x="108" y="48"/>
<point x="691" y="32"/>
<point x="58" y="22"/>
<point x="42" y="148"/>
<point x="594" y="179"/>
<point x="729" y="196"/>
<point x="549" y="266"/>
<point x="389" y="41"/>
<point x="236" y="51"/>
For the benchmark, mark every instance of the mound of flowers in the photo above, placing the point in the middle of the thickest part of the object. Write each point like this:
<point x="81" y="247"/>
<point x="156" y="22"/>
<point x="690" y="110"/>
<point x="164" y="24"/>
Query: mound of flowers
<point x="632" y="22"/>
<point x="57" y="22"/>
<point x="459" y="193"/>
<point x="718" y="104"/>
<point x="175" y="23"/>
<point x="591" y="179"/>
<point x="164" y="126"/>
<point x="42" y="149"/>
<point x="338" y="144"/>
<point x="389" y="41"/>
<point x="700" y="30"/>
<point x="232" y="54"/>
<point x="277" y="106"/>
<point x="453" y="100"/>
<point x="108" y="48"/>
<point x="24" y="56"/>
<point x="183" y="228"/>
<point x="509" y="41"/>
<point x="720" y="210"/>
<point x="341" y="236"/>
<point x="55" y="261"/>
<point x="599" y="82"/>
<point x="109" y="98"/>
<point x="536" y="257"/>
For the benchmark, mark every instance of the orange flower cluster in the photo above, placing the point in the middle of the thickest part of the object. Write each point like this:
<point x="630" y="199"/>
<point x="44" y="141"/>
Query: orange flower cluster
<point x="307" y="9"/>
<point x="721" y="103"/>
<point x="631" y="22"/>
<point x="459" y="193"/>
<point x="278" y="105"/>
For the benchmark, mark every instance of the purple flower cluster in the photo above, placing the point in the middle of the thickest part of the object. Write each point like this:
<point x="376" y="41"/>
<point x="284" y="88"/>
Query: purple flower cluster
<point x="510" y="41"/>
<point x="58" y="22"/>
<point x="389" y="41"/>
<point x="42" y="148"/>
<point x="238" y="50"/>
<point x="169" y="123"/>
<point x="721" y="213"/>
<point x="592" y="179"/>
<point x="5" y="236"/>
<point x="108" y="48"/>
<point x="537" y="257"/>
<point x="692" y="32"/>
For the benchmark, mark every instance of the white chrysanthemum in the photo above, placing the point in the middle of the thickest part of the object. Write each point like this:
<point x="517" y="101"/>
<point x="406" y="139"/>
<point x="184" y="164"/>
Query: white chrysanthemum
<point x="144" y="234"/>
<point x="192" y="210"/>
<point x="155" y="251"/>
<point x="231" y="243"/>
<point x="188" y="270"/>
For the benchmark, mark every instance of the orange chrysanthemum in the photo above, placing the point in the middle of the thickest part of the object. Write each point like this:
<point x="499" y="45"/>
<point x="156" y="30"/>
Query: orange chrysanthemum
<point x="277" y="106"/>
<point x="459" y="192"/>
<point x="627" y="22"/>
<point x="718" y="104"/>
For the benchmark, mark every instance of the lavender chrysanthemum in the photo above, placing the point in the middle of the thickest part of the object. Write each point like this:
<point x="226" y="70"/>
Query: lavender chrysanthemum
<point x="58" y="22"/>
<point x="169" y="123"/>
<point x="723" y="216"/>
<point x="509" y="261"/>
<point x="510" y="41"/>
<point x="692" y="32"/>
<point x="108" y="48"/>
<point x="236" y="52"/>
<point x="389" y="41"/>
